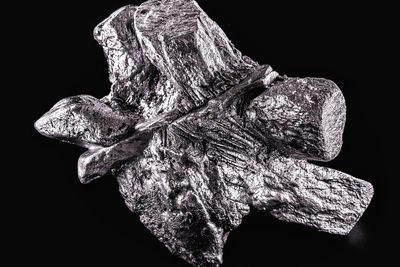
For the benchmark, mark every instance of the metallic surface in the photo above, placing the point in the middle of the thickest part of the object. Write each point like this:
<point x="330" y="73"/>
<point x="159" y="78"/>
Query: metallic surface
<point x="197" y="134"/>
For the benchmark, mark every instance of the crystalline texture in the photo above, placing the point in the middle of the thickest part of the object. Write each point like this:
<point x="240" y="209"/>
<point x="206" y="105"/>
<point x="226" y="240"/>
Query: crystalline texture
<point x="197" y="134"/>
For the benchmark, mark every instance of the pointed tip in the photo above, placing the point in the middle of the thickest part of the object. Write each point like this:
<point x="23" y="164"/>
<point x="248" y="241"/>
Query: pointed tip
<point x="36" y="125"/>
<point x="368" y="191"/>
<point x="39" y="125"/>
<point x="88" y="170"/>
<point x="43" y="126"/>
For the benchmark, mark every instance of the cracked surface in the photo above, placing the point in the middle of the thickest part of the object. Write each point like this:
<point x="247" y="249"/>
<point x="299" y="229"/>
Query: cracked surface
<point x="197" y="134"/>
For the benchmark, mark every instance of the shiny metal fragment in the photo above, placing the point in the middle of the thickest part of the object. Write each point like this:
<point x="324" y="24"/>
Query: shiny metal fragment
<point x="197" y="134"/>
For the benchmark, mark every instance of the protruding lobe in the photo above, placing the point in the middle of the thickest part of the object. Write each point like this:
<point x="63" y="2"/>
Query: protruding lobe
<point x="85" y="121"/>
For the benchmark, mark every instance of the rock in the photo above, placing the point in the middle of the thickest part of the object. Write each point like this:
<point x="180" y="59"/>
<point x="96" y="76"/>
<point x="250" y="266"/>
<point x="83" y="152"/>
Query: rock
<point x="197" y="135"/>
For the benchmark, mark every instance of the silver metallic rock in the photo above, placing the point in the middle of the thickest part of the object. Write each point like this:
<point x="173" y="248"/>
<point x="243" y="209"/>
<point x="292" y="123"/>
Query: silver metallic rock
<point x="197" y="134"/>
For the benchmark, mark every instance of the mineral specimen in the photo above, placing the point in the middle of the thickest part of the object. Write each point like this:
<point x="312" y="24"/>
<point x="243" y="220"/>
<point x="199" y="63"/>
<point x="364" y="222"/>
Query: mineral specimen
<point x="196" y="134"/>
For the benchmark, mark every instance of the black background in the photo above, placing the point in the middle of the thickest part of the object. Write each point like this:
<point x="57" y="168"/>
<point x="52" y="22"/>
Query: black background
<point x="57" y="220"/>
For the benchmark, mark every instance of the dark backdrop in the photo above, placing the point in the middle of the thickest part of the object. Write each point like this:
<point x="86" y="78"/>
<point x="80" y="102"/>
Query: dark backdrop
<point x="63" y="221"/>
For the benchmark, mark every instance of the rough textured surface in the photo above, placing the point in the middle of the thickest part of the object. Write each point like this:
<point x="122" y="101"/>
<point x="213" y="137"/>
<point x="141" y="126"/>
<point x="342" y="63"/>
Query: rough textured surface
<point x="197" y="134"/>
<point x="85" y="121"/>
<point x="304" y="117"/>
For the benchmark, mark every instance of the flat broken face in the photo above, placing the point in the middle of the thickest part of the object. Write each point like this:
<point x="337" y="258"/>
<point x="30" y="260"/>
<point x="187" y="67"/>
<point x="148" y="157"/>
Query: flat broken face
<point x="197" y="134"/>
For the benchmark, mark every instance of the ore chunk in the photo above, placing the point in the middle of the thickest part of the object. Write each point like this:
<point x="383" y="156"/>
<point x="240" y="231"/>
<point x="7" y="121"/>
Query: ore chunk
<point x="197" y="135"/>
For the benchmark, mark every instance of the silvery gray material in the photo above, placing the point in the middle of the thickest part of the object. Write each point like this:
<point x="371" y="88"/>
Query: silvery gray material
<point x="197" y="134"/>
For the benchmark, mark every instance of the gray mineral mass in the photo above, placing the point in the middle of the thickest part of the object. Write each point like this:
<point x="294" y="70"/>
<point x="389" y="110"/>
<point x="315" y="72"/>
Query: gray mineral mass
<point x="198" y="134"/>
